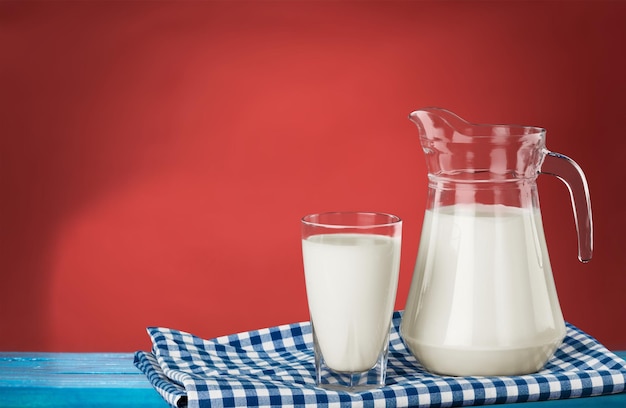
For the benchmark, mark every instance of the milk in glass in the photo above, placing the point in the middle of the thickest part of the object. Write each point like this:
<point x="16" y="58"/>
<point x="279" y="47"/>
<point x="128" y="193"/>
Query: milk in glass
<point x="351" y="282"/>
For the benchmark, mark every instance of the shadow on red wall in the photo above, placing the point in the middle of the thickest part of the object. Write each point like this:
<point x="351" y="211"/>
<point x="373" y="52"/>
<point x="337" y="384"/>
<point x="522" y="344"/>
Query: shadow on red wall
<point x="156" y="157"/>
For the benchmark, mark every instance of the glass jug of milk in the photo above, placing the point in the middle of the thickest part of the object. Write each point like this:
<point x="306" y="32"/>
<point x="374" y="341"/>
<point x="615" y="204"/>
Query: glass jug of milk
<point x="482" y="300"/>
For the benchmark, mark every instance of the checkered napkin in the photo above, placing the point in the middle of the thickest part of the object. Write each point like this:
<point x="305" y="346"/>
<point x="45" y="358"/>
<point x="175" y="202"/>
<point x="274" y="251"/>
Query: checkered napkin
<point x="275" y="367"/>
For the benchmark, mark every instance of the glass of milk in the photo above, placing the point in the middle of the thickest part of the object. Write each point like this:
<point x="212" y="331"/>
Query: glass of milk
<point x="351" y="266"/>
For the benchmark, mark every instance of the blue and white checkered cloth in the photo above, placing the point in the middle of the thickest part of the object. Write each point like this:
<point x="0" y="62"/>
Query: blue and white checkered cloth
<point x="275" y="367"/>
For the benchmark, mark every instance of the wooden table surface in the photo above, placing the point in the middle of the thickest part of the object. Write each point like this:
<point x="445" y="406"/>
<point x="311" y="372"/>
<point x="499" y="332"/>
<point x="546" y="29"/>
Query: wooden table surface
<point x="111" y="380"/>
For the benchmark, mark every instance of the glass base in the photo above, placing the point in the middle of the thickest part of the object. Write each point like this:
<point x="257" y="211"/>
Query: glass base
<point x="327" y="378"/>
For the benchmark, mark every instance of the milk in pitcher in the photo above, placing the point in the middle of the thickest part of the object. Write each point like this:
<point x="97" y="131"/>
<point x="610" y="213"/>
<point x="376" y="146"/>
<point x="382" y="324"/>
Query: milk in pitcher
<point x="479" y="302"/>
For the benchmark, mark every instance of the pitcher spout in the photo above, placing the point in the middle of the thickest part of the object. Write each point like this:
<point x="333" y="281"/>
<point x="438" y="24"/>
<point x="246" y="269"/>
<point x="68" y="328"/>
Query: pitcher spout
<point x="433" y="121"/>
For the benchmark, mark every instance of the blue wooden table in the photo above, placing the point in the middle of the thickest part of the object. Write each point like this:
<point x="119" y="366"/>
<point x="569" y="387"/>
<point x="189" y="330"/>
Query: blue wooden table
<point x="111" y="380"/>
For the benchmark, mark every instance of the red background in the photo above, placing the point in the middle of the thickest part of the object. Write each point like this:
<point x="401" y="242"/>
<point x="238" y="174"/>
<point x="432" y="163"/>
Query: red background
<point x="157" y="156"/>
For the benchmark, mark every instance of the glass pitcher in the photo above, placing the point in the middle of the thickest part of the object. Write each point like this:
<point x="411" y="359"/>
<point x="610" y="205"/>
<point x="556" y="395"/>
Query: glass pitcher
<point x="482" y="300"/>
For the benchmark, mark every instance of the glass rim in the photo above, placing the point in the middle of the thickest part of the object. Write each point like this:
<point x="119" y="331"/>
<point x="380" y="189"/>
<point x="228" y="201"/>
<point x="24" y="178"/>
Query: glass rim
<point x="391" y="219"/>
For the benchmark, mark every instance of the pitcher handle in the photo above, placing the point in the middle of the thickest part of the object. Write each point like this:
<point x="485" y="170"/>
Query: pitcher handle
<point x="570" y="173"/>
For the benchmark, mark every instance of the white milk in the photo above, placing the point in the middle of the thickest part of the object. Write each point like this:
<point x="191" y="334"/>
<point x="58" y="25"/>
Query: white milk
<point x="351" y="282"/>
<point x="482" y="300"/>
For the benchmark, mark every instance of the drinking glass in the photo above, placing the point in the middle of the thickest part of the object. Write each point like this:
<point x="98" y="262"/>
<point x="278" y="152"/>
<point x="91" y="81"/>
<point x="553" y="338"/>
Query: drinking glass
<point x="351" y="266"/>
